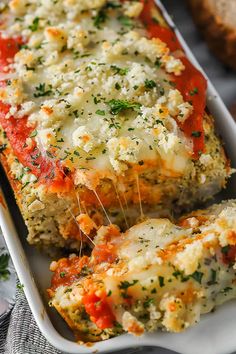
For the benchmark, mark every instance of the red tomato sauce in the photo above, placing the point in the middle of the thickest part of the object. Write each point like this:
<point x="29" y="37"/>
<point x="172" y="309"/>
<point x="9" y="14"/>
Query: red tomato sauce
<point x="68" y="271"/>
<point x="191" y="83"/>
<point x="17" y="131"/>
<point x="8" y="48"/>
<point x="99" y="310"/>
<point x="104" y="253"/>
<point x="230" y="256"/>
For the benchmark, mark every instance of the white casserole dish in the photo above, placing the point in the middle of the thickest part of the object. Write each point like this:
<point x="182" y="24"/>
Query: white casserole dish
<point x="214" y="334"/>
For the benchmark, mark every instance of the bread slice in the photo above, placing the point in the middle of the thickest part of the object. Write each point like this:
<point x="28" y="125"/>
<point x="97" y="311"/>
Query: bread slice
<point x="155" y="275"/>
<point x="217" y="22"/>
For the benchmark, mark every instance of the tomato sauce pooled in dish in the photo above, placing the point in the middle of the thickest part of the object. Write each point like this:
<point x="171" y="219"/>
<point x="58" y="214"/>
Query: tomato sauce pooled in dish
<point x="191" y="83"/>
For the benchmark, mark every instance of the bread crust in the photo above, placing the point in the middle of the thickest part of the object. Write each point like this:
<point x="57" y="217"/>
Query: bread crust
<point x="220" y="35"/>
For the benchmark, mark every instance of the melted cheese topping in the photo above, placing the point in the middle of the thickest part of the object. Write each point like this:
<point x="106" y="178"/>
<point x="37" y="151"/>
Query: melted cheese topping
<point x="164" y="275"/>
<point x="96" y="88"/>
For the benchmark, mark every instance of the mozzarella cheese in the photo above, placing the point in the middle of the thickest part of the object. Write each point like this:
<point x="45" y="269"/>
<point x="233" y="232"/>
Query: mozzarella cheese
<point x="90" y="76"/>
<point x="157" y="274"/>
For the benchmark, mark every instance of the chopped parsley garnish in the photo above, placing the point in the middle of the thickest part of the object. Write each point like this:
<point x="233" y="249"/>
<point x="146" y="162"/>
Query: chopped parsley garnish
<point x="28" y="68"/>
<point x="2" y="147"/>
<point x="150" y="84"/>
<point x="117" y="86"/>
<point x="49" y="154"/>
<point x="126" y="21"/>
<point x="42" y="90"/>
<point x="158" y="63"/>
<point x="225" y="249"/>
<point x="197" y="276"/>
<point x="76" y="113"/>
<point x="161" y="91"/>
<point x="117" y="106"/>
<point x="35" y="25"/>
<point x="161" y="281"/>
<point x="196" y="134"/>
<point x="148" y="302"/>
<point x="213" y="278"/>
<point x="194" y="91"/>
<point x="155" y="20"/>
<point x="69" y="290"/>
<point x="227" y="289"/>
<point x="99" y="19"/>
<point x="4" y="272"/>
<point x="24" y="185"/>
<point x="24" y="46"/>
<point x="109" y="293"/>
<point x="180" y="274"/>
<point x="100" y="112"/>
<point x="113" y="5"/>
<point x="117" y="325"/>
<point x="120" y="71"/>
<point x="62" y="274"/>
<point x="125" y="284"/>
<point x="33" y="134"/>
<point x="85" y="271"/>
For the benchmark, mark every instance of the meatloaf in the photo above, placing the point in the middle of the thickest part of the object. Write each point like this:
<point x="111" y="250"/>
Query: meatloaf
<point x="103" y="118"/>
<point x="158" y="274"/>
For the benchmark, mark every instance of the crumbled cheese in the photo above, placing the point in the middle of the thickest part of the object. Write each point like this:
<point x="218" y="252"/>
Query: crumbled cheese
<point x="123" y="149"/>
<point x="177" y="106"/>
<point x="167" y="142"/>
<point x="206" y="159"/>
<point x="173" y="65"/>
<point x="78" y="39"/>
<point x="174" y="100"/>
<point x="76" y="63"/>
<point x="154" y="314"/>
<point x="18" y="6"/>
<point x="82" y="138"/>
<point x="36" y="205"/>
<point x="188" y="259"/>
<point x="13" y="94"/>
<point x="28" y="178"/>
<point x="131" y="324"/>
<point x="133" y="9"/>
<point x="45" y="138"/>
<point x="26" y="108"/>
<point x="225" y="223"/>
<point x="174" y="313"/>
<point x="185" y="110"/>
<point x="143" y="261"/>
